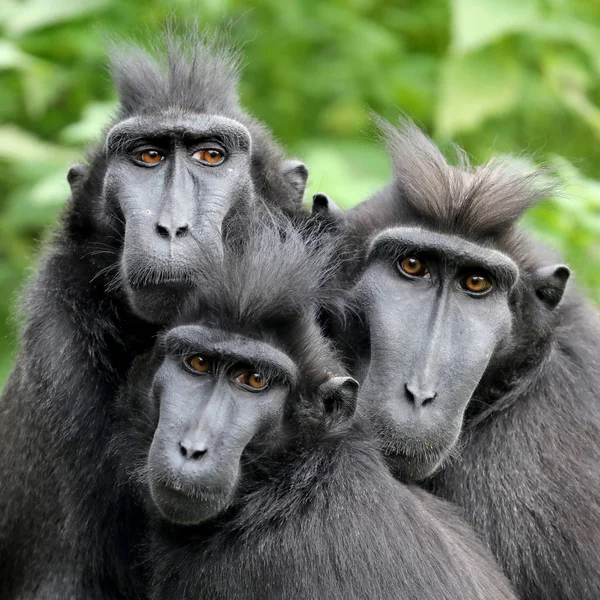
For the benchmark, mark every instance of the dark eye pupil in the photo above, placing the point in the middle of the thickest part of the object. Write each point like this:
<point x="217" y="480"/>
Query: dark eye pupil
<point x="477" y="284"/>
<point x="213" y="153"/>
<point x="411" y="265"/>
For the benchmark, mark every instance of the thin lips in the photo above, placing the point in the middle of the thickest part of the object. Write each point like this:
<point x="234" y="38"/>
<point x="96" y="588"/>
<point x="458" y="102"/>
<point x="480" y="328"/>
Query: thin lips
<point x="163" y="281"/>
<point x="181" y="492"/>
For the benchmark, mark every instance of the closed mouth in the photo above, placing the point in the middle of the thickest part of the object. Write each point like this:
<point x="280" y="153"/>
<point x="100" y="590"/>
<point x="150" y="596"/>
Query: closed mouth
<point x="157" y="282"/>
<point x="177" y="493"/>
<point x="184" y="494"/>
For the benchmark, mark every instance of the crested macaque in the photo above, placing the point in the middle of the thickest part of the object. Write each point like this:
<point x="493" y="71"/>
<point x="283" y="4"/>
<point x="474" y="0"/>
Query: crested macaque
<point x="477" y="363"/>
<point x="240" y="431"/>
<point x="178" y="163"/>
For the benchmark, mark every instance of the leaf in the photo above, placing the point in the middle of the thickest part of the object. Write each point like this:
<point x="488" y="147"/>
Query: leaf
<point x="344" y="115"/>
<point x="566" y="29"/>
<point x="38" y="14"/>
<point x="477" y="23"/>
<point x="570" y="82"/>
<point x="474" y="87"/>
<point x="349" y="171"/>
<point x="42" y="82"/>
<point x="11" y="57"/>
<point x="50" y="191"/>
<point x="92" y="122"/>
<point x="38" y="207"/>
<point x="18" y="146"/>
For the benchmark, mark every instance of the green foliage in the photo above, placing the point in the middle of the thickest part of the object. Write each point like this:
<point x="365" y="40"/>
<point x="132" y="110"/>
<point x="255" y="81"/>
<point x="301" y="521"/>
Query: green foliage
<point x="495" y="76"/>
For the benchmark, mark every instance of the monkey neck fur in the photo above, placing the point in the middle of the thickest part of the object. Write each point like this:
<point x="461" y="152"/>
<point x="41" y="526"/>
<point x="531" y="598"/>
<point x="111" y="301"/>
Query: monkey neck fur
<point x="283" y="480"/>
<point x="531" y="354"/>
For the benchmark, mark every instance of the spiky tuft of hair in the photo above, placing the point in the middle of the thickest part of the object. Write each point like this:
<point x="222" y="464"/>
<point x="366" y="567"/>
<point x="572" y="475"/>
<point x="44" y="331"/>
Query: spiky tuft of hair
<point x="273" y="270"/>
<point x="475" y="202"/>
<point x="194" y="72"/>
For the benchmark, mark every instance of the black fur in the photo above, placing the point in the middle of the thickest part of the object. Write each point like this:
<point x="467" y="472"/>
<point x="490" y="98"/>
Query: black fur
<point x="66" y="529"/>
<point x="527" y="476"/>
<point x="330" y="523"/>
<point x="317" y="514"/>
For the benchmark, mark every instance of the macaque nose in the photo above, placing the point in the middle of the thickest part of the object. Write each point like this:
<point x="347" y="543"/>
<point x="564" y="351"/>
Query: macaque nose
<point x="417" y="396"/>
<point x="192" y="450"/>
<point x="170" y="232"/>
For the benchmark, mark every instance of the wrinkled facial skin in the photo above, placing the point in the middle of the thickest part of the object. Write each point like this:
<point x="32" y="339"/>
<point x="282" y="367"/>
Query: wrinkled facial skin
<point x="172" y="202"/>
<point x="208" y="419"/>
<point x="430" y="341"/>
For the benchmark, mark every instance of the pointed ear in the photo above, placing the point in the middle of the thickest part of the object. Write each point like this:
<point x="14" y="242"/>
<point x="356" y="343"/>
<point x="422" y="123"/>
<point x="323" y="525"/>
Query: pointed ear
<point x="338" y="396"/>
<point x="296" y="173"/>
<point x="76" y="174"/>
<point x="550" y="283"/>
<point x="324" y="206"/>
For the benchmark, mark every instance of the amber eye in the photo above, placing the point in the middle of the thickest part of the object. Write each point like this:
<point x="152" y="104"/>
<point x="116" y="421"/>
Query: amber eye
<point x="414" y="267"/>
<point x="476" y="284"/>
<point x="254" y="381"/>
<point x="209" y="156"/>
<point x="199" y="364"/>
<point x="150" y="157"/>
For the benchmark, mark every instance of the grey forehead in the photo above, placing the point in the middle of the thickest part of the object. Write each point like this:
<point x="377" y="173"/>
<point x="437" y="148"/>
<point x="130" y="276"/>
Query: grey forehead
<point x="162" y="123"/>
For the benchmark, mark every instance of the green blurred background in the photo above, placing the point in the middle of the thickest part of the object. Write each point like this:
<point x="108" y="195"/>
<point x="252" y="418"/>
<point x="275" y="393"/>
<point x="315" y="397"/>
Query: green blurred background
<point x="495" y="76"/>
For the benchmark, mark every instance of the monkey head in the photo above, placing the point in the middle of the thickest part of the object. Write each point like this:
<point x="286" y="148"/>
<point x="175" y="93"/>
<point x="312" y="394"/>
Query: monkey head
<point x="441" y="280"/>
<point x="436" y="309"/>
<point x="180" y="161"/>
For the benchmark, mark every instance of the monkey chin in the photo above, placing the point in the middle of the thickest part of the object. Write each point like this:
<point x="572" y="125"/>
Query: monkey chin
<point x="188" y="507"/>
<point x="156" y="303"/>
<point x="411" y="466"/>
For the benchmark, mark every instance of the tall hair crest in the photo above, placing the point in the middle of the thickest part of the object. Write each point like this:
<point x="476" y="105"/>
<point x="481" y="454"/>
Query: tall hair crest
<point x="473" y="201"/>
<point x="193" y="72"/>
<point x="273" y="269"/>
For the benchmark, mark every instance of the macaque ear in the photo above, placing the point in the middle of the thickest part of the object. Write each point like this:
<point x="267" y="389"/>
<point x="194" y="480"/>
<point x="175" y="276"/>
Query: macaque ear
<point x="296" y="173"/>
<point x="338" y="397"/>
<point x="76" y="174"/>
<point x="550" y="283"/>
<point x="324" y="206"/>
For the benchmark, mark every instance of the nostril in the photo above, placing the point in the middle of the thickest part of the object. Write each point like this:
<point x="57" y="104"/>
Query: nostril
<point x="428" y="399"/>
<point x="182" y="231"/>
<point x="417" y="397"/>
<point x="191" y="453"/>
<point x="162" y="231"/>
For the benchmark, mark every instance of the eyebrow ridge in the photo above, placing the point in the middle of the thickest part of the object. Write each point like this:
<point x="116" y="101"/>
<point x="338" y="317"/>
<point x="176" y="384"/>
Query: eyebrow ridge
<point x="401" y="240"/>
<point x="194" y="338"/>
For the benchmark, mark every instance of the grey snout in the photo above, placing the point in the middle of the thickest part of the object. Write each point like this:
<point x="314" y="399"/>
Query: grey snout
<point x="419" y="395"/>
<point x="193" y="445"/>
<point x="192" y="451"/>
<point x="170" y="231"/>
